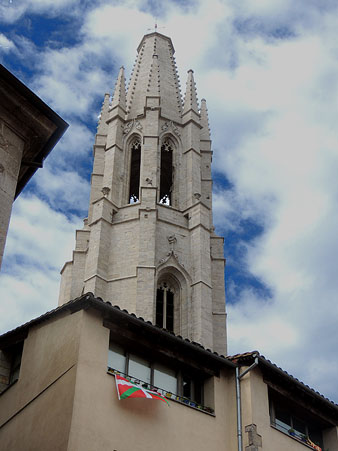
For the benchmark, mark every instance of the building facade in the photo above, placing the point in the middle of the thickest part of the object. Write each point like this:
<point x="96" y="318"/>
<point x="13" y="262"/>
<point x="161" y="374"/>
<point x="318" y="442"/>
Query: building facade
<point x="61" y="394"/>
<point x="29" y="130"/>
<point x="148" y="243"/>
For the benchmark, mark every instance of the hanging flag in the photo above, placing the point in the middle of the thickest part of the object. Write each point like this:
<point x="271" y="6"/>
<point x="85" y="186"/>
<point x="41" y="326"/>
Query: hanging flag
<point x="126" y="389"/>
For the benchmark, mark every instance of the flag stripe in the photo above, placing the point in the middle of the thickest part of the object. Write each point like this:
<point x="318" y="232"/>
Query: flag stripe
<point x="126" y="389"/>
<point x="129" y="392"/>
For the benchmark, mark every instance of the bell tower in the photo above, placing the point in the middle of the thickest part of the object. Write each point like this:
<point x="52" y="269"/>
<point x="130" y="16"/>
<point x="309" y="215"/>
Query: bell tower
<point x="148" y="244"/>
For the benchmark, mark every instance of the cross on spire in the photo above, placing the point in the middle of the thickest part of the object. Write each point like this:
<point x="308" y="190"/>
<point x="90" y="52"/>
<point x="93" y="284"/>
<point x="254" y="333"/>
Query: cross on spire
<point x="156" y="27"/>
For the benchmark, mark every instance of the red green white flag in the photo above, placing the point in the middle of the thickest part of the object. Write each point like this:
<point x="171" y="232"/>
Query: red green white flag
<point x="126" y="389"/>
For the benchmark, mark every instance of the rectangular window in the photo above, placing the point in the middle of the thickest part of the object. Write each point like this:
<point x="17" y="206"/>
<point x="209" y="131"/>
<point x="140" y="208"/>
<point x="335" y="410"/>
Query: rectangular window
<point x="155" y="374"/>
<point x="165" y="378"/>
<point x="116" y="358"/>
<point x="139" y="368"/>
<point x="294" y="420"/>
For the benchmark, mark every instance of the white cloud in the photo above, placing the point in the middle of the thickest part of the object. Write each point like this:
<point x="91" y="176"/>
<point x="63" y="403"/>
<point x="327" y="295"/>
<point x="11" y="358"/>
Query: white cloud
<point x="6" y="45"/>
<point x="39" y="242"/>
<point x="268" y="70"/>
<point x="64" y="189"/>
<point x="12" y="11"/>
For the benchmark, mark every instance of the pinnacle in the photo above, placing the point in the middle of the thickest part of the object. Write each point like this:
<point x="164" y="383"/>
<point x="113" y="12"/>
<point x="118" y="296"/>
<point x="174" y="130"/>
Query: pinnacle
<point x="205" y="131"/>
<point x="102" y="125"/>
<point x="119" y="97"/>
<point x="190" y="100"/>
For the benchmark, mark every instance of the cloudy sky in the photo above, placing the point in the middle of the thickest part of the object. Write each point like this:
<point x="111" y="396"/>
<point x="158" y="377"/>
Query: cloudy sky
<point x="268" y="69"/>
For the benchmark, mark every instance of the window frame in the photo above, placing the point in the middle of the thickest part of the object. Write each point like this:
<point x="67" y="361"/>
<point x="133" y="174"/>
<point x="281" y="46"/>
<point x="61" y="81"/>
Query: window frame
<point x="180" y="375"/>
<point x="166" y="191"/>
<point x="168" y="309"/>
<point x="134" y="146"/>
<point x="295" y="413"/>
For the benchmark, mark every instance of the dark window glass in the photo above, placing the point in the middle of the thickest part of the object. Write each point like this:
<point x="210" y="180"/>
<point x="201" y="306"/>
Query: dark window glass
<point x="159" y="307"/>
<point x="186" y="387"/>
<point x="198" y="392"/>
<point x="166" y="178"/>
<point x="282" y="419"/>
<point x="135" y="165"/>
<point x="170" y="311"/>
<point x="299" y="427"/>
<point x="165" y="307"/>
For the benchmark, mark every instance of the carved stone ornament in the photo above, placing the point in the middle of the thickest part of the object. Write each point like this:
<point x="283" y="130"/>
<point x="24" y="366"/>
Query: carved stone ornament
<point x="105" y="191"/>
<point x="167" y="257"/>
<point x="134" y="123"/>
<point x="170" y="125"/>
<point x="172" y="241"/>
<point x="138" y="126"/>
<point x="127" y="128"/>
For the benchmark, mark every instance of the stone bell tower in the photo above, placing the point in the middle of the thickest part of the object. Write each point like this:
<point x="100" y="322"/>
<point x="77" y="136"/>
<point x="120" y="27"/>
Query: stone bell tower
<point x="148" y="244"/>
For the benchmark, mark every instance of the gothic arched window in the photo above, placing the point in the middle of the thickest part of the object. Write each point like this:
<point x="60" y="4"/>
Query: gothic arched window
<point x="135" y="166"/>
<point x="165" y="307"/>
<point x="166" y="177"/>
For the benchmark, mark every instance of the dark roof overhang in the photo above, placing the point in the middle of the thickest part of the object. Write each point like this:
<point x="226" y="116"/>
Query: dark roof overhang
<point x="40" y="127"/>
<point x="134" y="331"/>
<point x="287" y="385"/>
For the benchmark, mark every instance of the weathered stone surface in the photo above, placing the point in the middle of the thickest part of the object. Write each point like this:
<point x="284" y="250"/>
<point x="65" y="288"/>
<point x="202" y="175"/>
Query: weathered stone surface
<point x="126" y="250"/>
<point x="255" y="440"/>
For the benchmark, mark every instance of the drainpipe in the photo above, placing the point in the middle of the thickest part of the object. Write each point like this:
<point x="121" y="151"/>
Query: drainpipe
<point x="239" y="401"/>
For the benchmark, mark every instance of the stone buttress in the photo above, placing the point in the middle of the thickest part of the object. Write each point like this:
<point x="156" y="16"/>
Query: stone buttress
<point x="148" y="244"/>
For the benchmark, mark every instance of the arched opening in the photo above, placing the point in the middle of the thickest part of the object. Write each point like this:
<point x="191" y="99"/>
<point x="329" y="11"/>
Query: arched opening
<point x="135" y="166"/>
<point x="165" y="307"/>
<point x="166" y="176"/>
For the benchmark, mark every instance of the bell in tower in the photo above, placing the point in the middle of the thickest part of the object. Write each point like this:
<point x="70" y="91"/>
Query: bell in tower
<point x="148" y="244"/>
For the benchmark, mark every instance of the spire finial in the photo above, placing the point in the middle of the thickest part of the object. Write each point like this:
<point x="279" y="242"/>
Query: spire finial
<point x="205" y="131"/>
<point x="190" y="100"/>
<point x="119" y="97"/>
<point x="103" y="116"/>
<point x="155" y="26"/>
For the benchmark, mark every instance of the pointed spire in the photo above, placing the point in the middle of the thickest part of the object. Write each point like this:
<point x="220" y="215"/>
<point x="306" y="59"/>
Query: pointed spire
<point x="119" y="98"/>
<point x="102" y="123"/>
<point x="190" y="100"/>
<point x="205" y="131"/>
<point x="155" y="74"/>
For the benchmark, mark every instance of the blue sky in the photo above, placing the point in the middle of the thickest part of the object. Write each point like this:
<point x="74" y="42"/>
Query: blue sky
<point x="268" y="70"/>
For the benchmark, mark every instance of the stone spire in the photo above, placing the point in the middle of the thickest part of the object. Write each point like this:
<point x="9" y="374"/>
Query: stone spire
<point x="119" y="97"/>
<point x="155" y="74"/>
<point x="102" y="126"/>
<point x="190" y="99"/>
<point x="205" y="131"/>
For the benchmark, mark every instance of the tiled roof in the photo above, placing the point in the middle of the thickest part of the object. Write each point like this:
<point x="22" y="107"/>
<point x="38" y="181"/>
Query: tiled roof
<point x="249" y="357"/>
<point x="89" y="300"/>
